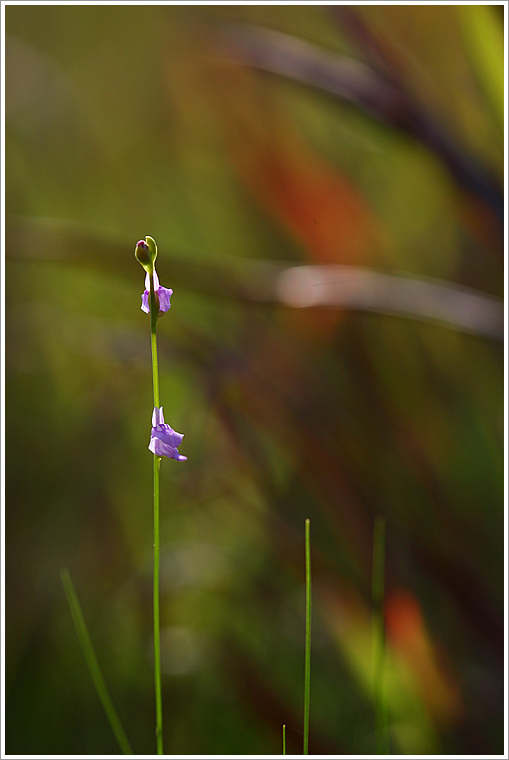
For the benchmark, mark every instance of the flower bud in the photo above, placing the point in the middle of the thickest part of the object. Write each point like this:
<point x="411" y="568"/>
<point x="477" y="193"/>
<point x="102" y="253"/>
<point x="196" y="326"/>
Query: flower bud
<point x="146" y="253"/>
<point x="152" y="247"/>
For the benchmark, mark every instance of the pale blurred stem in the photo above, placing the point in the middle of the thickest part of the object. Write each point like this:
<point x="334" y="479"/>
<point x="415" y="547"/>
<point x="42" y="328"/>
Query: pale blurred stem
<point x="378" y="593"/>
<point x="92" y="663"/>
<point x="307" y="661"/>
<point x="154" y="311"/>
<point x="284" y="739"/>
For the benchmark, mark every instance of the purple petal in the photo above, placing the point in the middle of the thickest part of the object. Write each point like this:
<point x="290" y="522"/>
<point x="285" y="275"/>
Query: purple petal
<point x="157" y="416"/>
<point x="161" y="449"/>
<point x="147" y="281"/>
<point x="167" y="435"/>
<point x="164" y="298"/>
<point x="164" y="295"/>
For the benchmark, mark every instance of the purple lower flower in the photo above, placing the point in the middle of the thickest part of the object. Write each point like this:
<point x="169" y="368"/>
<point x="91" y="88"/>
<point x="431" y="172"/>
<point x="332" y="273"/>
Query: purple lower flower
<point x="164" y="441"/>
<point x="164" y="295"/>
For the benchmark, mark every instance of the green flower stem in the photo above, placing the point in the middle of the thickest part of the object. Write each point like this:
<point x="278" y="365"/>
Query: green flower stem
<point x="307" y="663"/>
<point x="378" y="593"/>
<point x="284" y="739"/>
<point x="157" y="646"/>
<point x="92" y="663"/>
<point x="154" y="311"/>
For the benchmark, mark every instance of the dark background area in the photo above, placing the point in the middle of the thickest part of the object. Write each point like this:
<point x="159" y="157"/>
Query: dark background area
<point x="252" y="141"/>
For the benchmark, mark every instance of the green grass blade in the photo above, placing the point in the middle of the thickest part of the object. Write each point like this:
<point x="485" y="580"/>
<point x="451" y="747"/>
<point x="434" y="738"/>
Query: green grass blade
<point x="157" y="461"/>
<point x="378" y="622"/>
<point x="284" y="739"/>
<point x="92" y="664"/>
<point x="307" y="663"/>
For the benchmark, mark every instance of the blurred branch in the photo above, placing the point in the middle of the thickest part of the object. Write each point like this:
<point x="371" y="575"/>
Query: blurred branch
<point x="333" y="287"/>
<point x="418" y="298"/>
<point x="367" y="89"/>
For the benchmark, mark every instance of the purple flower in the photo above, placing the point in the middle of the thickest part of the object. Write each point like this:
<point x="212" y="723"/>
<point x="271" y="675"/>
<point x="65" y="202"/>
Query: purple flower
<point x="163" y="294"/>
<point x="164" y="441"/>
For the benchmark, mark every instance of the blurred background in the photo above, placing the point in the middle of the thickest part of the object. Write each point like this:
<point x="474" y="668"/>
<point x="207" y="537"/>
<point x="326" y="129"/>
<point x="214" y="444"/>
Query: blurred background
<point x="325" y="188"/>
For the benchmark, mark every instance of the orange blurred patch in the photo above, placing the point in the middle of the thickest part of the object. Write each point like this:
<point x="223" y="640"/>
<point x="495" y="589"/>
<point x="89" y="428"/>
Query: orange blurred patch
<point x="298" y="187"/>
<point x="482" y="223"/>
<point x="321" y="207"/>
<point x="410" y="641"/>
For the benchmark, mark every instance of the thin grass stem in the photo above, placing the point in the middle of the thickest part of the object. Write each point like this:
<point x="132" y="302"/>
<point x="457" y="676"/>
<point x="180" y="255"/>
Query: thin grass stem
<point x="92" y="663"/>
<point x="284" y="739"/>
<point x="378" y="633"/>
<point x="307" y="662"/>
<point x="157" y="645"/>
<point x="154" y="311"/>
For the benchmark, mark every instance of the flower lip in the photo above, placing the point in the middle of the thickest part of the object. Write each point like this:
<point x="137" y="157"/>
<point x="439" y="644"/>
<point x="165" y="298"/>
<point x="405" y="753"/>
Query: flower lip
<point x="166" y="434"/>
<point x="163" y="294"/>
<point x="164" y="441"/>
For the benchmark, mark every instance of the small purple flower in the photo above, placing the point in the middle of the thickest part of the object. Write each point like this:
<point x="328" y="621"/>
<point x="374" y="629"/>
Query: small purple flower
<point x="164" y="441"/>
<point x="163" y="294"/>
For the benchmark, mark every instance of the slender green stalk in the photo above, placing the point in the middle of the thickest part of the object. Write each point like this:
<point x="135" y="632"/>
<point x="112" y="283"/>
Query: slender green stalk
<point x="378" y="622"/>
<point x="154" y="311"/>
<point x="284" y="739"/>
<point x="307" y="663"/>
<point x="92" y="663"/>
<point x="157" y="646"/>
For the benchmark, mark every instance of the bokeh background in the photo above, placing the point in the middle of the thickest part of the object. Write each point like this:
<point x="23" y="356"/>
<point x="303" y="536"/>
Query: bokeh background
<point x="325" y="187"/>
